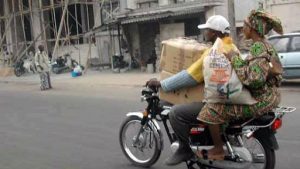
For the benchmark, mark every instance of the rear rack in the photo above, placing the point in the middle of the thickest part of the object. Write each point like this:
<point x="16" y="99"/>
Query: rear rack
<point x="278" y="112"/>
<point x="284" y="110"/>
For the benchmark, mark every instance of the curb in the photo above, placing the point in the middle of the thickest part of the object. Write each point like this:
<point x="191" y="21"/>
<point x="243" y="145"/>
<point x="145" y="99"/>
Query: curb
<point x="91" y="78"/>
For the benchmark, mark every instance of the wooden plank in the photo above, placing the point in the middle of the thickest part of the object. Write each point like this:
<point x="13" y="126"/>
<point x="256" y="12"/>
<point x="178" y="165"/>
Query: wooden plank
<point x="60" y="28"/>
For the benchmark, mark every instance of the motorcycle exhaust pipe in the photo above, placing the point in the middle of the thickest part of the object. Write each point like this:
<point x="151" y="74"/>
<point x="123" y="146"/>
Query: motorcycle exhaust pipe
<point x="174" y="146"/>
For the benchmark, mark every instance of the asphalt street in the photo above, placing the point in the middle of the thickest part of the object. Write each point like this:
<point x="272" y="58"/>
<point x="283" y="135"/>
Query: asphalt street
<point x="78" y="129"/>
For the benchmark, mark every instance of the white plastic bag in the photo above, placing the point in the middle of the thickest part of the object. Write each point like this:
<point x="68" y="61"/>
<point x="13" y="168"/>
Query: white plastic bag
<point x="77" y="69"/>
<point x="222" y="84"/>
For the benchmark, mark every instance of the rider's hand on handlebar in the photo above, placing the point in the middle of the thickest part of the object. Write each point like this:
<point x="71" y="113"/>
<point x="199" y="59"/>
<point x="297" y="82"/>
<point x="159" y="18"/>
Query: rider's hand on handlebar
<point x="153" y="83"/>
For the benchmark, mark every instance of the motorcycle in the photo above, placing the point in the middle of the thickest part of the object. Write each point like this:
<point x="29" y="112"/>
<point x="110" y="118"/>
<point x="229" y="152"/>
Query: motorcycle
<point x="19" y="68"/>
<point x="119" y="63"/>
<point x="24" y="65"/>
<point x="134" y="63"/>
<point x="59" y="65"/>
<point x="64" y="64"/>
<point x="249" y="143"/>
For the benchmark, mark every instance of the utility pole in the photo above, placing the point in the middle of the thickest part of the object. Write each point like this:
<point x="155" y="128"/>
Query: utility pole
<point x="231" y="17"/>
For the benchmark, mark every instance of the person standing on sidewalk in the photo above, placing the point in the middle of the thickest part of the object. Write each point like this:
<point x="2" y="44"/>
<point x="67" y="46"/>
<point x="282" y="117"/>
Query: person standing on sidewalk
<point x="154" y="58"/>
<point x="42" y="65"/>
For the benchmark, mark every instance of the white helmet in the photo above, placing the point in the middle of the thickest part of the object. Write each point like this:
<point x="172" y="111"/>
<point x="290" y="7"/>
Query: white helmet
<point x="217" y="23"/>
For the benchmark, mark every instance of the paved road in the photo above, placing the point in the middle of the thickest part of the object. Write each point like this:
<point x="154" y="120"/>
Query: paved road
<point x="63" y="129"/>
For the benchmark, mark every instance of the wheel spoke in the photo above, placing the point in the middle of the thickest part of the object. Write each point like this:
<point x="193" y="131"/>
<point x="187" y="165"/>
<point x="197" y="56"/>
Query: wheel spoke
<point x="145" y="148"/>
<point x="257" y="151"/>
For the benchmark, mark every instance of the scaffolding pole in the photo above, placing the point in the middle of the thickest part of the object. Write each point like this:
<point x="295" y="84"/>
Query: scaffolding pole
<point x="22" y="19"/>
<point x="88" y="55"/>
<point x="87" y="14"/>
<point x="77" y="23"/>
<point x="32" y="42"/>
<point x="15" y="24"/>
<point x="60" y="27"/>
<point x="18" y="11"/>
<point x="54" y="18"/>
<point x="6" y="29"/>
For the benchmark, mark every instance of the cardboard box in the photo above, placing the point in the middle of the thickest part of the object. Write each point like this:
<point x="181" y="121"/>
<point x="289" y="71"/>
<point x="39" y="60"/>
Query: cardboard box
<point x="178" y="54"/>
<point x="186" y="95"/>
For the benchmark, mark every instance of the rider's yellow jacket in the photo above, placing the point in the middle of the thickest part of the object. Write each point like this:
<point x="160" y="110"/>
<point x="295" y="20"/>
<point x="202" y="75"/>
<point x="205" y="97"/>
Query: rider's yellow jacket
<point x="195" y="69"/>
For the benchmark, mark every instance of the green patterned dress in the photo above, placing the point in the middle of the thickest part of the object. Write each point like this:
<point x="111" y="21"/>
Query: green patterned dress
<point x="253" y="73"/>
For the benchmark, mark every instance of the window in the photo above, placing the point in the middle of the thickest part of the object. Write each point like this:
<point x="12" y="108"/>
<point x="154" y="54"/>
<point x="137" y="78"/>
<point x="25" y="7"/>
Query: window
<point x="280" y="44"/>
<point x="176" y="1"/>
<point x="295" y="45"/>
<point x="154" y="4"/>
<point x="147" y="3"/>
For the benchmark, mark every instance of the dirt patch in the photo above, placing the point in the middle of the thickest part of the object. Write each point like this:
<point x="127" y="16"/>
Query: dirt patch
<point x="6" y="71"/>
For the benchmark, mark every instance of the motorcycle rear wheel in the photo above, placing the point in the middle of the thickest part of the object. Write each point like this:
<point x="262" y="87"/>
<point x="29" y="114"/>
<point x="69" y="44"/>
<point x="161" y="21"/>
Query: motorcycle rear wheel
<point x="262" y="159"/>
<point x="148" y="141"/>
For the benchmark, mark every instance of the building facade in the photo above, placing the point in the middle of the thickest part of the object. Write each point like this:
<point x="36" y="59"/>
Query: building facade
<point x="288" y="11"/>
<point x="100" y="29"/>
<point x="146" y="23"/>
<point x="60" y="25"/>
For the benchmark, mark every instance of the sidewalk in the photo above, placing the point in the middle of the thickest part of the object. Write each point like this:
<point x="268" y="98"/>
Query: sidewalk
<point x="133" y="78"/>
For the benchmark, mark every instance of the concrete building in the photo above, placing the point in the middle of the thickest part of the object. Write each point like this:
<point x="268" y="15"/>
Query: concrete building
<point x="145" y="23"/>
<point x="99" y="29"/>
<point x="61" y="26"/>
<point x="288" y="11"/>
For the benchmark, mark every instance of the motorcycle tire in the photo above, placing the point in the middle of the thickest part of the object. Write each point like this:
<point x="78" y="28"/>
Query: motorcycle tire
<point x="269" y="154"/>
<point x="18" y="72"/>
<point x="129" y="155"/>
<point x="56" y="70"/>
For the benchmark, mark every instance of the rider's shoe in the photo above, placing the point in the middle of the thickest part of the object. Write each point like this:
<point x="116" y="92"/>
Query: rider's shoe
<point x="182" y="154"/>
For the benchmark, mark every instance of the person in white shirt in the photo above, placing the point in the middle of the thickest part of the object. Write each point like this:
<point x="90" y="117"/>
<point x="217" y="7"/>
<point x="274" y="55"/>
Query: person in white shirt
<point x="42" y="65"/>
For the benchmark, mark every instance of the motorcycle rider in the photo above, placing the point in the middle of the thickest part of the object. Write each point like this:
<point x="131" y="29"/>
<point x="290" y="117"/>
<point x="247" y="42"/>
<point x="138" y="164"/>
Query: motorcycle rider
<point x="181" y="116"/>
<point x="260" y="73"/>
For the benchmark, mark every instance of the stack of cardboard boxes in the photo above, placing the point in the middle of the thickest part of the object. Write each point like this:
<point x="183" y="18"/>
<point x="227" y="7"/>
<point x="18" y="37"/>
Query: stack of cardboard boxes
<point x="179" y="54"/>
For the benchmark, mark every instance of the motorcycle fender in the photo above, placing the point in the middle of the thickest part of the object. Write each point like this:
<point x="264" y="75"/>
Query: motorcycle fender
<point x="154" y="125"/>
<point x="267" y="136"/>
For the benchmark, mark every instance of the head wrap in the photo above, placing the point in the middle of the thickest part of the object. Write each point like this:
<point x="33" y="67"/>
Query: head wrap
<point x="262" y="22"/>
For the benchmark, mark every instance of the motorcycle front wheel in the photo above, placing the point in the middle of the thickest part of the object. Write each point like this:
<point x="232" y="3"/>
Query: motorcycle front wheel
<point x="143" y="151"/>
<point x="263" y="157"/>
